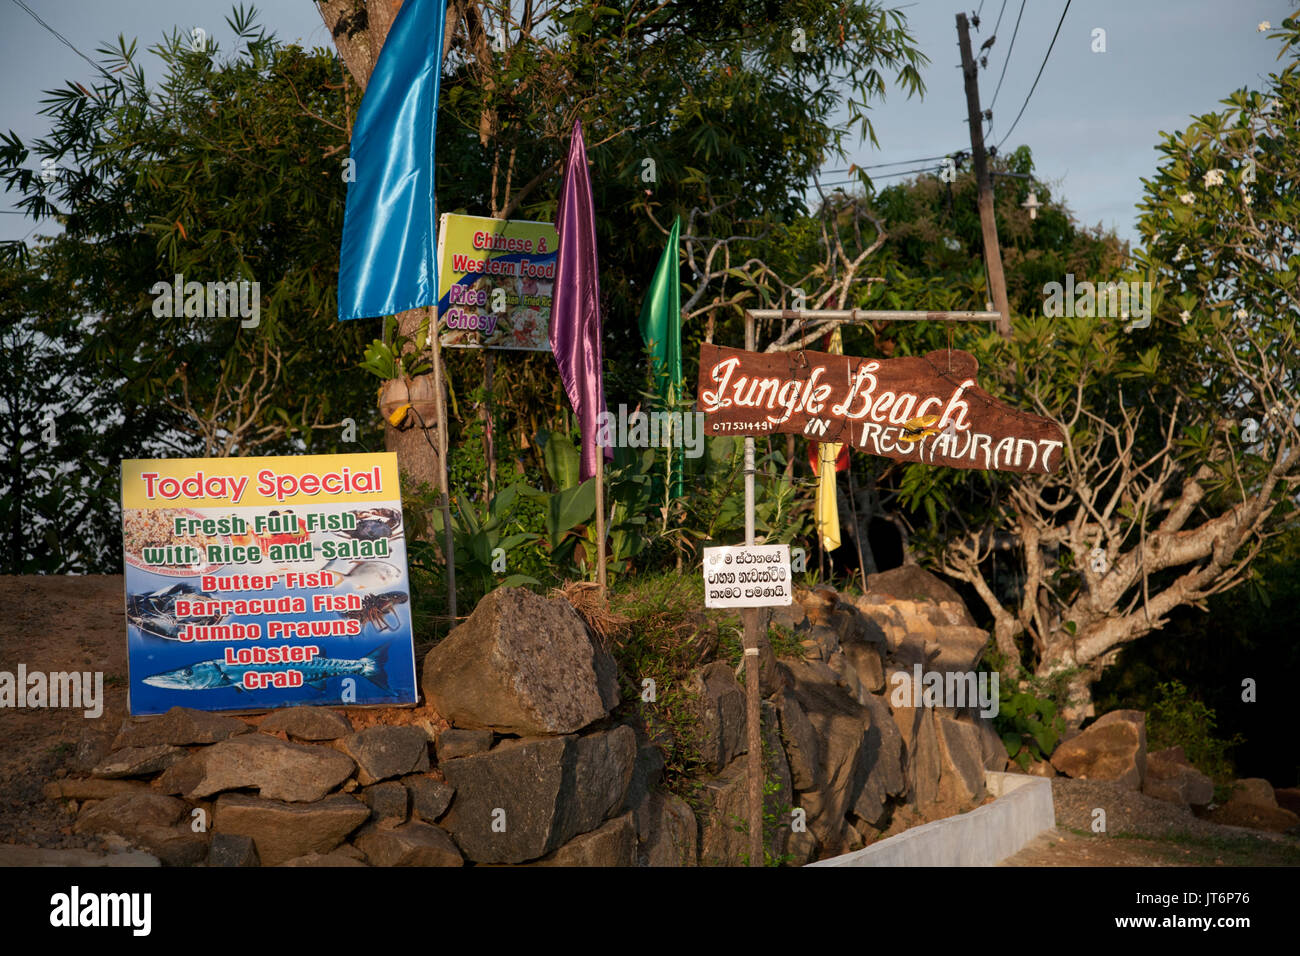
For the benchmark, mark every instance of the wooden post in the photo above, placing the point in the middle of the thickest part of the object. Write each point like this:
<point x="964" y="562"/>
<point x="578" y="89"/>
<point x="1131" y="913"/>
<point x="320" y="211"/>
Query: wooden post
<point x="435" y="340"/>
<point x="600" y="521"/>
<point x="753" y="699"/>
<point x="988" y="224"/>
<point x="489" y="438"/>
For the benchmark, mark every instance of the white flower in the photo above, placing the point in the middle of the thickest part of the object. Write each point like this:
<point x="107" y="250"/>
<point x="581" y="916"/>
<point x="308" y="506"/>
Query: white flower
<point x="1185" y="316"/>
<point x="1240" y="313"/>
<point x="1182" y="251"/>
<point x="1248" y="199"/>
<point x="1264" y="25"/>
<point x="1186" y="199"/>
<point x="1213" y="177"/>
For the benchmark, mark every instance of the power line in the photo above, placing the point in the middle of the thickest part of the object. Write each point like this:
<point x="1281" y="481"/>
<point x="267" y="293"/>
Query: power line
<point x="1008" y="58"/>
<point x="901" y="162"/>
<point x="905" y="172"/>
<point x="57" y="35"/>
<point x="999" y="23"/>
<point x="1040" y="74"/>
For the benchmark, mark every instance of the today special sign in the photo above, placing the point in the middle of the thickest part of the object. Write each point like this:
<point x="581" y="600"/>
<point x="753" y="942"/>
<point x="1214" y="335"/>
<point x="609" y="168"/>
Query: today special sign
<point x="254" y="583"/>
<point x="925" y="408"/>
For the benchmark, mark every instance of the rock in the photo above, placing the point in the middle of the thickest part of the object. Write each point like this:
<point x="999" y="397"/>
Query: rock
<point x="387" y="803"/>
<point x="802" y="848"/>
<point x="521" y="664"/>
<point x="174" y="846"/>
<point x="547" y="790"/>
<point x="926" y="760"/>
<point x="1112" y="748"/>
<point x="411" y="844"/>
<point x="601" y="779"/>
<point x="130" y="814"/>
<point x="429" y="798"/>
<point x="792" y="616"/>
<point x="92" y="788"/>
<point x="727" y="800"/>
<point x="232" y="849"/>
<point x="611" y="844"/>
<point x="826" y="640"/>
<point x="801" y="743"/>
<point x="337" y="858"/>
<point x="819" y="604"/>
<point x="139" y="761"/>
<point x="179" y="727"/>
<point x="1170" y="777"/>
<point x="1256" y="816"/>
<point x="721" y="706"/>
<point x="961" y="773"/>
<point x="277" y="769"/>
<point x="283" y="831"/>
<point x="993" y="752"/>
<point x="517" y="786"/>
<point x="847" y="676"/>
<point x="647" y="771"/>
<point x="911" y="582"/>
<point x="885" y="751"/>
<point x="307" y="723"/>
<point x="383" y="752"/>
<point x="1255" y="791"/>
<point x="455" y="743"/>
<point x="1288" y="798"/>
<point x="92" y="747"/>
<point x="842" y="726"/>
<point x="672" y="833"/>
<point x="867" y="661"/>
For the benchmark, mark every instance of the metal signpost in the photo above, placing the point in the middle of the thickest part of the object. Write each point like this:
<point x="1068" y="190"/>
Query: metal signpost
<point x="822" y="321"/>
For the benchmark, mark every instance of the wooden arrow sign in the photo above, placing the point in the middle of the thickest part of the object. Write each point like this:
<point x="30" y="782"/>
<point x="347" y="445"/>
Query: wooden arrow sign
<point x="923" y="408"/>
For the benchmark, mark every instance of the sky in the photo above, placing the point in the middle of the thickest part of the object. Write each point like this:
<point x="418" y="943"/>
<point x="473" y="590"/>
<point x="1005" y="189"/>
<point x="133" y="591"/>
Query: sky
<point x="1092" y="123"/>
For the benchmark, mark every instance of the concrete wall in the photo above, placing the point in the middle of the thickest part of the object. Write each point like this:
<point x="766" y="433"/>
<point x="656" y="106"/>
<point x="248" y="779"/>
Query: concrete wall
<point x="983" y="837"/>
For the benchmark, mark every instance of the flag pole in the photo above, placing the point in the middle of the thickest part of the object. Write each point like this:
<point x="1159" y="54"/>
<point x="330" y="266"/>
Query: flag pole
<point x="749" y="618"/>
<point x="600" y="523"/>
<point x="448" y="548"/>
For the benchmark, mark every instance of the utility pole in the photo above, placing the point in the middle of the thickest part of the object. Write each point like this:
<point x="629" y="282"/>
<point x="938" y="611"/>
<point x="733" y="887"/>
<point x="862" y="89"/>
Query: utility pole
<point x="988" y="225"/>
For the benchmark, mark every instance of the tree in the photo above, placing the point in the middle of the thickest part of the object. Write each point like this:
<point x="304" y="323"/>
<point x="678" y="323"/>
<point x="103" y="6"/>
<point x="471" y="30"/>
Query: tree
<point x="679" y="102"/>
<point x="226" y="174"/>
<point x="1182" y="457"/>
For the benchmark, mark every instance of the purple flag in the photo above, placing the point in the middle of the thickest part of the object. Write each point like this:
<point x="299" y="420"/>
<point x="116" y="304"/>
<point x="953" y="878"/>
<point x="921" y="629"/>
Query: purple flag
<point x="575" y="303"/>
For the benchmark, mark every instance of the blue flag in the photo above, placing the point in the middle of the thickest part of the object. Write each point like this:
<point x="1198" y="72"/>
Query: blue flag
<point x="387" y="260"/>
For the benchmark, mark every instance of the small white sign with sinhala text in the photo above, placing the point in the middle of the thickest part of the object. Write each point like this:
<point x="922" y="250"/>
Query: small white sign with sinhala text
<point x="753" y="576"/>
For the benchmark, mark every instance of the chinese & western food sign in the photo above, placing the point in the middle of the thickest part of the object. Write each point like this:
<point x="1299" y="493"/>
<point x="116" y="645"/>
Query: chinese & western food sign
<point x="495" y="278"/>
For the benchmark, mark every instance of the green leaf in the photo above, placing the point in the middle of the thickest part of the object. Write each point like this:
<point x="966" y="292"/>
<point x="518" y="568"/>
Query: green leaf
<point x="570" y="508"/>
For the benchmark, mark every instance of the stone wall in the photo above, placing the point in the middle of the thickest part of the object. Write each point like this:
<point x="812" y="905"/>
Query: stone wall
<point x="521" y="753"/>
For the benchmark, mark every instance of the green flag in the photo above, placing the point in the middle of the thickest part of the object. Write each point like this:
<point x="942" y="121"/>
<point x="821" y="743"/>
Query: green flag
<point x="661" y="327"/>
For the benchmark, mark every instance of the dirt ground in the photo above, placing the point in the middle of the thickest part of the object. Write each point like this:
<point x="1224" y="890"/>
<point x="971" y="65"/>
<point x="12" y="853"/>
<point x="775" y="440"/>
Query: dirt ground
<point x="65" y="624"/>
<point x="1142" y="831"/>
<point x="78" y="623"/>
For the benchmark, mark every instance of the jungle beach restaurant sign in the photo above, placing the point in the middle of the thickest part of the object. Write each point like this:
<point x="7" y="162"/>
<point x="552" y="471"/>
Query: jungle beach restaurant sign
<point x="495" y="279"/>
<point x="919" y="408"/>
<point x="254" y="583"/>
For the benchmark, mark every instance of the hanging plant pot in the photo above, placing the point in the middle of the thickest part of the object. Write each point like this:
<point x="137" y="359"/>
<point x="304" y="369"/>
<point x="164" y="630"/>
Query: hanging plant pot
<point x="415" y="395"/>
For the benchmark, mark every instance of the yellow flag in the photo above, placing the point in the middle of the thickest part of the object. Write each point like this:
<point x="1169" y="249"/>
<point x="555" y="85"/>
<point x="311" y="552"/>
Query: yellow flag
<point x="828" y="512"/>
